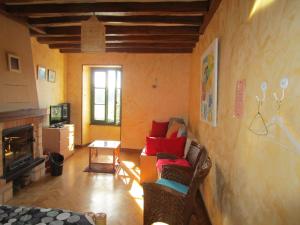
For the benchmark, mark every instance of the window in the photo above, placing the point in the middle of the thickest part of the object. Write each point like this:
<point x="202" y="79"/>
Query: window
<point x="106" y="96"/>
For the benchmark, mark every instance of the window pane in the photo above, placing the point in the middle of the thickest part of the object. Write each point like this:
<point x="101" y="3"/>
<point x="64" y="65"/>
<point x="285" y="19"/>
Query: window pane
<point x="118" y="111"/>
<point x="112" y="73"/>
<point x="111" y="95"/>
<point x="100" y="79"/>
<point x="118" y="79"/>
<point x="99" y="112"/>
<point x="118" y="97"/>
<point x="99" y="96"/>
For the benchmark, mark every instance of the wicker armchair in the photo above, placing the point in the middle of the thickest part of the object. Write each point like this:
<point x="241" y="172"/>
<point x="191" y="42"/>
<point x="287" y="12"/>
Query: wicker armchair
<point x="164" y="204"/>
<point x="179" y="174"/>
<point x="192" y="157"/>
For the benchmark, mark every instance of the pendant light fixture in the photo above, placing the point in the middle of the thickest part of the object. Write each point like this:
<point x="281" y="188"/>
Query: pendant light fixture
<point x="92" y="35"/>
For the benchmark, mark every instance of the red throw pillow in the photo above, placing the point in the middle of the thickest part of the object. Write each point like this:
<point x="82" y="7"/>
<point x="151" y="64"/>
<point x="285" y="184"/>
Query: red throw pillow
<point x="159" y="129"/>
<point x="173" y="146"/>
<point x="178" y="162"/>
<point x="174" y="135"/>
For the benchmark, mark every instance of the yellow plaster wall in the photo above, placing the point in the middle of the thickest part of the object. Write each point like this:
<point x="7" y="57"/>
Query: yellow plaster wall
<point x="254" y="179"/>
<point x="86" y="105"/>
<point x="49" y="93"/>
<point x="17" y="90"/>
<point x="105" y="132"/>
<point x="140" y="102"/>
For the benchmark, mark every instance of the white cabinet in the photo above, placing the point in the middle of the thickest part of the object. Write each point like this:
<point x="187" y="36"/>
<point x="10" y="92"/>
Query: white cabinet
<point x="60" y="140"/>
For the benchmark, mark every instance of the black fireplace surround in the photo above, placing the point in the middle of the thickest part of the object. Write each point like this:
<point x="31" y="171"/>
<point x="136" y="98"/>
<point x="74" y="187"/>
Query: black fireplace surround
<point x="17" y="151"/>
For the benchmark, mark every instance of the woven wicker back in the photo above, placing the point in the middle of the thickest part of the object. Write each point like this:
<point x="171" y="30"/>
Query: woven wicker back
<point x="193" y="154"/>
<point x="201" y="171"/>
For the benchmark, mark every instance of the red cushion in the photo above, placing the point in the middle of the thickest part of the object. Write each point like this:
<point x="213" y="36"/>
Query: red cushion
<point x="159" y="129"/>
<point x="179" y="162"/>
<point x="174" y="134"/>
<point x="169" y="145"/>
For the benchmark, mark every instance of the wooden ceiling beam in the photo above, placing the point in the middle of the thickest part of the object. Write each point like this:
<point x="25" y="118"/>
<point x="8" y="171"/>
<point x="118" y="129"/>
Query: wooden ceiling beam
<point x="163" y="37"/>
<point x="125" y="38"/>
<point x="36" y="29"/>
<point x="3" y="11"/>
<point x="49" y="40"/>
<point x="214" y="4"/>
<point x="150" y="45"/>
<point x="70" y="30"/>
<point x="199" y="7"/>
<point x="127" y="30"/>
<point x="22" y="2"/>
<point x="65" y="45"/>
<point x="63" y="20"/>
<point x="149" y="50"/>
<point x="128" y="45"/>
<point x="136" y="27"/>
<point x="151" y="30"/>
<point x="135" y="50"/>
<point x="70" y="50"/>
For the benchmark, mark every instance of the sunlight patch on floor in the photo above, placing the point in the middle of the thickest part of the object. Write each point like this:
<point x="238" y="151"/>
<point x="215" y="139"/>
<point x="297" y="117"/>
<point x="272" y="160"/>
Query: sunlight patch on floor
<point x="136" y="191"/>
<point x="132" y="169"/>
<point x="124" y="176"/>
<point x="129" y="173"/>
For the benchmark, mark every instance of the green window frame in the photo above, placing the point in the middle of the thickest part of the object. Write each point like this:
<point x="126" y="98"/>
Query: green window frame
<point x="106" y="96"/>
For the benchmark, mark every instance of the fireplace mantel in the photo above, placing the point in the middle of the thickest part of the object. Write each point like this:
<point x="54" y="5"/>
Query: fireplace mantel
<point x="22" y="114"/>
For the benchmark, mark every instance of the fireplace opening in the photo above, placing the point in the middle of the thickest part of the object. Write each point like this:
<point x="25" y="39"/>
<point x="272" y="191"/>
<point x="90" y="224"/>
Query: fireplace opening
<point x="17" y="151"/>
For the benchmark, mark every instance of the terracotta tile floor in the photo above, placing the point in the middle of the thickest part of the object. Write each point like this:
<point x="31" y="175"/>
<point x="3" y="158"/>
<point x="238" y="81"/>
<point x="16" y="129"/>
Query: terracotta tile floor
<point x="119" y="196"/>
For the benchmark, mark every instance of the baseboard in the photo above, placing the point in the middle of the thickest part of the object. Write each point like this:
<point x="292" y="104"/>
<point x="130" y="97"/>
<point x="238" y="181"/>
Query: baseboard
<point x="81" y="146"/>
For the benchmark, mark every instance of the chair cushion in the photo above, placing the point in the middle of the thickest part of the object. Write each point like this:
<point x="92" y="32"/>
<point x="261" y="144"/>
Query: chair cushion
<point x="179" y="162"/>
<point x="174" y="146"/>
<point x="159" y="129"/>
<point x="173" y="185"/>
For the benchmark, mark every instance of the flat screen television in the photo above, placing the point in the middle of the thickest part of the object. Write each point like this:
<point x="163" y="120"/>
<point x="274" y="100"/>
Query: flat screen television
<point x="59" y="114"/>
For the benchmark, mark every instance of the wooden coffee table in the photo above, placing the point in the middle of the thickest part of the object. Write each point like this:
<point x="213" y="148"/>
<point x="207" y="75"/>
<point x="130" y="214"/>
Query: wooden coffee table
<point x="99" y="146"/>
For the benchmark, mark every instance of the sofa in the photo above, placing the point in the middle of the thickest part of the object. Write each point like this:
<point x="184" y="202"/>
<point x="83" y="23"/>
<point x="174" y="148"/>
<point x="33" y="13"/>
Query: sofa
<point x="168" y="137"/>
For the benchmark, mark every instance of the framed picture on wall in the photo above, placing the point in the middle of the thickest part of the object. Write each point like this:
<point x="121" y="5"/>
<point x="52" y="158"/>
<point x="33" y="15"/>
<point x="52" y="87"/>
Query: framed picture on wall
<point x="51" y="76"/>
<point x="14" y="64"/>
<point x="41" y="73"/>
<point x="209" y="84"/>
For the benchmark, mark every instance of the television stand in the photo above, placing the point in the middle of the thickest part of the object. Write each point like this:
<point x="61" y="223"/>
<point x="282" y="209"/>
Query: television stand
<point x="59" y="139"/>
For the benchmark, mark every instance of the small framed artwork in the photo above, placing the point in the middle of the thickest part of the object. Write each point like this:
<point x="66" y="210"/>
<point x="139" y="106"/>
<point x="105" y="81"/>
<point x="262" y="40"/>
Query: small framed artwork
<point x="51" y="76"/>
<point x="41" y="73"/>
<point x="14" y="64"/>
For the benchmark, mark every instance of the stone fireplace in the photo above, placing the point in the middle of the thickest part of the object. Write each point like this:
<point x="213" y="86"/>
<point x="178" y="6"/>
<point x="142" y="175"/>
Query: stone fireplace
<point x="29" y="157"/>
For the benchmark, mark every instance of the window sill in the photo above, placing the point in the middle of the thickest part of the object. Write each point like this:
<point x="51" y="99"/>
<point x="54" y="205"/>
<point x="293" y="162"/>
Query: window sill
<point x="104" y="124"/>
